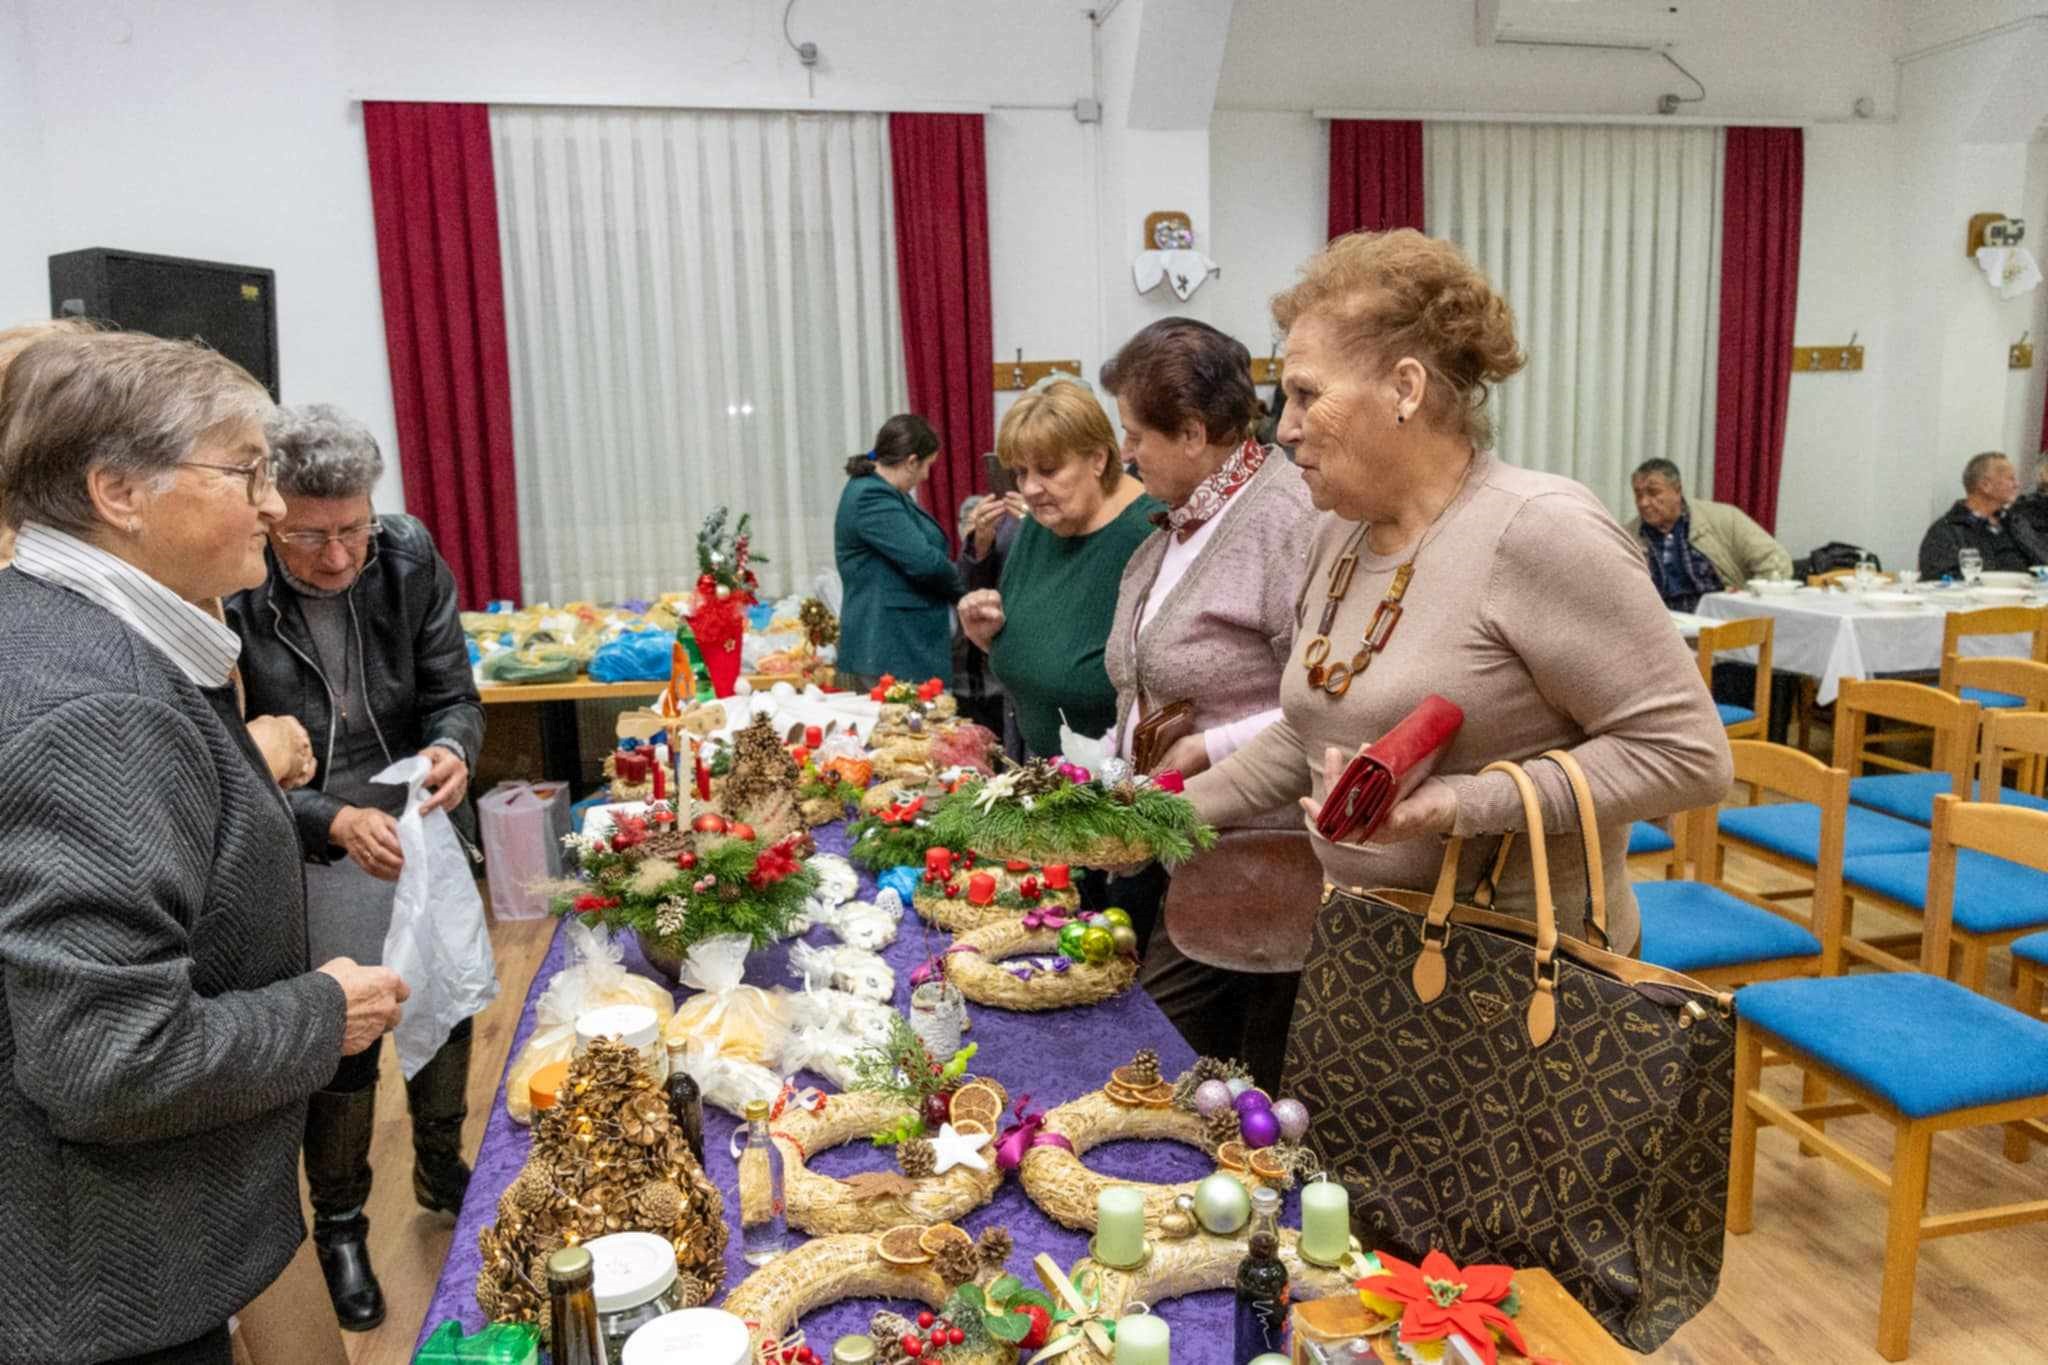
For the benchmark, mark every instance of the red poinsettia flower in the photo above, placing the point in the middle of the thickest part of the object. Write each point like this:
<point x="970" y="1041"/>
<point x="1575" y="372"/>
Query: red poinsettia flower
<point x="902" y="814"/>
<point x="1438" y="1299"/>
<point x="595" y="905"/>
<point x="1171" y="781"/>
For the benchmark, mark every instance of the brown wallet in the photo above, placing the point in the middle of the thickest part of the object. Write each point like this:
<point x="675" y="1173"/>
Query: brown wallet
<point x="1158" y="731"/>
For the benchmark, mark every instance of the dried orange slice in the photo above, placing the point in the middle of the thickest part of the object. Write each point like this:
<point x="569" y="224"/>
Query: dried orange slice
<point x="935" y="1238"/>
<point x="972" y="1127"/>
<point x="1123" y="1095"/>
<point x="1159" y="1096"/>
<point x="900" y="1245"/>
<point x="1233" y="1156"/>
<point x="1266" y="1165"/>
<point x="978" y="1102"/>
<point x="1132" y="1079"/>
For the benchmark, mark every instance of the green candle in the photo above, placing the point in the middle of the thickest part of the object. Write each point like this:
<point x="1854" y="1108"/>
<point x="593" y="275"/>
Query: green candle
<point x="1325" y="1221"/>
<point x="1141" y="1339"/>
<point x="1120" y="1227"/>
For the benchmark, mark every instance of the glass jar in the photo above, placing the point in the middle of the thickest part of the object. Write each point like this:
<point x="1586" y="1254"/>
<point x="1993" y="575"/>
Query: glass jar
<point x="694" y="1336"/>
<point x="637" y="1026"/>
<point x="938" y="1016"/>
<point x="636" y="1281"/>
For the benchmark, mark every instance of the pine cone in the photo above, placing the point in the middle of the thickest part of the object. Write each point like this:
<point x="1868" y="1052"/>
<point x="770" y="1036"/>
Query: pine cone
<point x="995" y="1247"/>
<point x="660" y="1204"/>
<point x="529" y="1193"/>
<point x="1146" y="1065"/>
<point x="1204" y="1069"/>
<point x="644" y="1119"/>
<point x="917" y="1158"/>
<point x="888" y="1330"/>
<point x="1223" y="1128"/>
<point x="957" y="1263"/>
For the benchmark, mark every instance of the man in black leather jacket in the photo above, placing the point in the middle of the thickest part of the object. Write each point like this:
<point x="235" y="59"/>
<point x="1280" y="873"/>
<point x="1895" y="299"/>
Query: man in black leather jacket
<point x="356" y="634"/>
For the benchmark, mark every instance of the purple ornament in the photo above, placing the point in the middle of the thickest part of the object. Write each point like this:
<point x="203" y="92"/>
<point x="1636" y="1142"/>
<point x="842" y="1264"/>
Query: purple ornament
<point x="1211" y="1098"/>
<point x="1260" y="1128"/>
<point x="1252" y="1102"/>
<point x="1293" y="1117"/>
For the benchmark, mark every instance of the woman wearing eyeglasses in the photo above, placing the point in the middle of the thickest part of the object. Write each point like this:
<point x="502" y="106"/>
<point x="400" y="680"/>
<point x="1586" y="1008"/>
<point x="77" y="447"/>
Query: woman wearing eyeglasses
<point x="356" y="634"/>
<point x="161" y="1029"/>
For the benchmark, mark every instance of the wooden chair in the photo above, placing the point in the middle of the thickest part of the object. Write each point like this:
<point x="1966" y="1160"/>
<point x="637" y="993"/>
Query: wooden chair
<point x="1741" y="722"/>
<point x="1726" y="937"/>
<point x="1834" y="576"/>
<point x="1922" y="1053"/>
<point x="2028" y="621"/>
<point x="1970" y="895"/>
<point x="2003" y="684"/>
<point x="1646" y="842"/>
<point x="1906" y="792"/>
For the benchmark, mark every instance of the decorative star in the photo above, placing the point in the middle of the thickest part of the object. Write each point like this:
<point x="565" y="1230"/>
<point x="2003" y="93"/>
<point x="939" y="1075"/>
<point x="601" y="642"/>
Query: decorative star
<point x="950" y="1149"/>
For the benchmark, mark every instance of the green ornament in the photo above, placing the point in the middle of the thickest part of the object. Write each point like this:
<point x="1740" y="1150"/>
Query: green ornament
<point x="1070" y="941"/>
<point x="1126" y="940"/>
<point x="1117" y="915"/>
<point x="1097" y="944"/>
<point x="699" y="674"/>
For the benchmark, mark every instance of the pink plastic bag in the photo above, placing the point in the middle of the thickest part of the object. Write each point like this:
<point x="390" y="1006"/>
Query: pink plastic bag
<point x="523" y="824"/>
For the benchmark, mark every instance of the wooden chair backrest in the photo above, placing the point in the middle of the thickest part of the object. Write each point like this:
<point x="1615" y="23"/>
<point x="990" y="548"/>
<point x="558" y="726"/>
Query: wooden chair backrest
<point x="1953" y="721"/>
<point x="2029" y="621"/>
<point x="2010" y="732"/>
<point x="2016" y="677"/>
<point x="2013" y="833"/>
<point x="1756" y="632"/>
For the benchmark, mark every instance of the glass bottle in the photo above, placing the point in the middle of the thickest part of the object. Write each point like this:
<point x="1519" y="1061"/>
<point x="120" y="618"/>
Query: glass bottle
<point x="686" y="1109"/>
<point x="764" y="1232"/>
<point x="1262" y="1299"/>
<point x="572" y="1309"/>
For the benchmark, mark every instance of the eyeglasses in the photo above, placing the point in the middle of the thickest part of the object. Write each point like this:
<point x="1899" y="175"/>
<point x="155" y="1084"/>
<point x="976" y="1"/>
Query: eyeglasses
<point x="350" y="537"/>
<point x="260" y="477"/>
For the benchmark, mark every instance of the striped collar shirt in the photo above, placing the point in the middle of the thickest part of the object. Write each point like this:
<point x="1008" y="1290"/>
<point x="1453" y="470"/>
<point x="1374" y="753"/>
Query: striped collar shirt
<point x="203" y="649"/>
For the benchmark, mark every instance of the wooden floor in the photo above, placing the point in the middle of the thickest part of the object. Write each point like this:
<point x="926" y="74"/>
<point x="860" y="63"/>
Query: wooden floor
<point x="1800" y="1290"/>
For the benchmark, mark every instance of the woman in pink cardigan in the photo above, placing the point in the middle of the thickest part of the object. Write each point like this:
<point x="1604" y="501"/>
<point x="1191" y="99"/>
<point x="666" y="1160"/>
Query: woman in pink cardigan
<point x="1203" y="620"/>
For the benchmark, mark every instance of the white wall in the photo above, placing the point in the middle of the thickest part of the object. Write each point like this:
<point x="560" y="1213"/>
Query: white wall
<point x="1269" y="174"/>
<point x="24" y="293"/>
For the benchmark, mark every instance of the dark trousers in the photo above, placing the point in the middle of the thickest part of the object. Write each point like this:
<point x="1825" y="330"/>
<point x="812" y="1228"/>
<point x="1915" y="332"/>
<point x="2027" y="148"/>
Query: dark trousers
<point x="211" y="1349"/>
<point x="1735" y="684"/>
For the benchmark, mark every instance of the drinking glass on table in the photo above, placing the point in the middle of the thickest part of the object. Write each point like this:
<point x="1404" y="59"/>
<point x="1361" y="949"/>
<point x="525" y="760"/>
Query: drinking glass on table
<point x="1866" y="572"/>
<point x="1971" y="563"/>
<point x="1907" y="578"/>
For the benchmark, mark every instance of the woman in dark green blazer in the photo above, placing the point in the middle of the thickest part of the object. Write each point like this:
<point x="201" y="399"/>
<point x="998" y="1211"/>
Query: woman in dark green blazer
<point x="900" y="586"/>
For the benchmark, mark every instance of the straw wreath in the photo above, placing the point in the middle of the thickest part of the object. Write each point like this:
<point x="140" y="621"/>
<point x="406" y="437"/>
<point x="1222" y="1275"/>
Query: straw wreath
<point x="827" y="1269"/>
<point x="1065" y="1189"/>
<point x="974" y="964"/>
<point x="957" y="914"/>
<point x="819" y="1204"/>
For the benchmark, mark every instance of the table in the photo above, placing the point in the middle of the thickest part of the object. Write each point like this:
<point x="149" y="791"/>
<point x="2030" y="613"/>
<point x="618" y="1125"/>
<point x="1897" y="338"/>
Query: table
<point x="1829" y="636"/>
<point x="1087" y="1042"/>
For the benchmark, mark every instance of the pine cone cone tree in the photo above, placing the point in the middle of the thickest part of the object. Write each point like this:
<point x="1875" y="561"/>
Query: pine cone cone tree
<point x="995" y="1247"/>
<point x="1223" y="1128"/>
<point x="917" y="1158"/>
<point x="1146" y="1065"/>
<point x="957" y="1263"/>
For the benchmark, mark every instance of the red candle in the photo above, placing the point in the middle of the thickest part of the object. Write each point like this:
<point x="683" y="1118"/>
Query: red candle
<point x="631" y="765"/>
<point x="660" y="775"/>
<point x="703" y="774"/>
<point x="981" y="889"/>
<point x="938" y="863"/>
<point x="1057" y="877"/>
<point x="813" y="736"/>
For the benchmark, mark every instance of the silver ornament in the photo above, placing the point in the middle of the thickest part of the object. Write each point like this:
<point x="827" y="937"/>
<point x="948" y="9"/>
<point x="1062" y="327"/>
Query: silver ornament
<point x="1114" y="771"/>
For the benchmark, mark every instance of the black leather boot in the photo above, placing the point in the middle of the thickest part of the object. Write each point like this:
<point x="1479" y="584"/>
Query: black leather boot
<point x="338" y="1129"/>
<point x="438" y="1099"/>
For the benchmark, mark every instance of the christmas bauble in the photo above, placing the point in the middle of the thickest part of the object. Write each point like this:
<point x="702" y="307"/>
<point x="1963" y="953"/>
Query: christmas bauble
<point x="1259" y="1127"/>
<point x="1221" y="1205"/>
<point x="1251" y="1102"/>
<point x="1211" y="1098"/>
<point x="1070" y="941"/>
<point x="1096" y="944"/>
<point x="1125" y="938"/>
<point x="710" y="822"/>
<point x="739" y="830"/>
<point x="1116" y="914"/>
<point x="1293" y="1117"/>
<point x="1238" y="1085"/>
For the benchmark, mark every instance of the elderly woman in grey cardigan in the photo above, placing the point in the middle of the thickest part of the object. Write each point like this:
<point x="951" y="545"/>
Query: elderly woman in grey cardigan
<point x="160" y="1028"/>
<point x="1202" y="625"/>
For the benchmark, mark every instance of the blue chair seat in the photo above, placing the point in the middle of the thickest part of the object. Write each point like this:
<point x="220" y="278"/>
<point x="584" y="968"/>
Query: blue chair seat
<point x="1792" y="830"/>
<point x="1992" y="895"/>
<point x="2033" y="948"/>
<point x="1910" y="796"/>
<point x="1691" y="927"/>
<point x="1997" y="701"/>
<point x="1733" y="715"/>
<point x="1924" y="1045"/>
<point x="1644" y="837"/>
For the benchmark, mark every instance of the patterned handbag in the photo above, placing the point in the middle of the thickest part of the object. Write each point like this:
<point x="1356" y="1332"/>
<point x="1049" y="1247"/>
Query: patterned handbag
<point x="1573" y="1117"/>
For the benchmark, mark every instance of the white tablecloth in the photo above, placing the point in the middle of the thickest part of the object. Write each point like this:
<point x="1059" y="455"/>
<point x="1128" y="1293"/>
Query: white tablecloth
<point x="1830" y="636"/>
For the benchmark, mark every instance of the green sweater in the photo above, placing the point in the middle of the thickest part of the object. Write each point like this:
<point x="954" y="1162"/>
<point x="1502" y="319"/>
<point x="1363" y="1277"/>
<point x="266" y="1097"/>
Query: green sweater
<point x="1059" y="599"/>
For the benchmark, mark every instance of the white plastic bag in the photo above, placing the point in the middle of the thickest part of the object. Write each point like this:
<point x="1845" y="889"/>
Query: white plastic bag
<point x="863" y="924"/>
<point x="843" y="967"/>
<point x="437" y="942"/>
<point x="830" y="1027"/>
<point x="729" y="1018"/>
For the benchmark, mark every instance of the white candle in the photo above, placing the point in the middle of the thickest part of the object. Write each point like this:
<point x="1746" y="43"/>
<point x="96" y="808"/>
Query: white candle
<point x="1120" y="1226"/>
<point x="1141" y="1339"/>
<point x="1325" y="1221"/>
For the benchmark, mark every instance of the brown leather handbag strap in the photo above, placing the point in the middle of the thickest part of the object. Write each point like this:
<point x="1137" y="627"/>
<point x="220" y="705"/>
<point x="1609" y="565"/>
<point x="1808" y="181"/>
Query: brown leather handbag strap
<point x="1589" y="835"/>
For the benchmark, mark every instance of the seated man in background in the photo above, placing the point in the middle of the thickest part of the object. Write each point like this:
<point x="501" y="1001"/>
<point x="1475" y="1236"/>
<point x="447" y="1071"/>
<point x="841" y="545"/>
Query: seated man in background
<point x="1980" y="521"/>
<point x="1695" y="547"/>
<point x="2032" y="508"/>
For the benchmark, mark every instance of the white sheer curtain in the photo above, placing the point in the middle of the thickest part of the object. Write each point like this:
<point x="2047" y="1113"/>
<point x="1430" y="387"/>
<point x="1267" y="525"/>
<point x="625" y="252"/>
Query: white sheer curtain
<point x="701" y="310"/>
<point x="1606" y="242"/>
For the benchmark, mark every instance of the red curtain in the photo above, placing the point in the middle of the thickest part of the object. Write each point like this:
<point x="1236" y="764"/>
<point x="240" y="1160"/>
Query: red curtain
<point x="1760" y="209"/>
<point x="435" y="199"/>
<point x="1375" y="175"/>
<point x="942" y="277"/>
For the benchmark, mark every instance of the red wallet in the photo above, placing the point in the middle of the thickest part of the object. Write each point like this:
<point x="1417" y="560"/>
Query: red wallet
<point x="1388" y="770"/>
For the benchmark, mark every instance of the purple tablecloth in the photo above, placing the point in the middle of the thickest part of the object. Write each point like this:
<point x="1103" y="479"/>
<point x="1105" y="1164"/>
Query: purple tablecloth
<point x="1053" y="1057"/>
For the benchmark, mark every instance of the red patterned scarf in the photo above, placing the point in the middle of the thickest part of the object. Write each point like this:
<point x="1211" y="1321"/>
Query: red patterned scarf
<point x="1210" y="496"/>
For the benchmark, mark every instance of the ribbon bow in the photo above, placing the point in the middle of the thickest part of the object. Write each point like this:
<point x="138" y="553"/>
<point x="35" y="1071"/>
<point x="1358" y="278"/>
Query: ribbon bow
<point x="1023" y="1135"/>
<point x="902" y="814"/>
<point x="933" y="968"/>
<point x="810" y="1099"/>
<point x="1079" y="1316"/>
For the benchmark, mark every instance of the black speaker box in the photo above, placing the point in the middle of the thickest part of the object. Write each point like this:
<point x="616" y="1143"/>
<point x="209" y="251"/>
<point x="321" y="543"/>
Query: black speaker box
<point x="232" y="308"/>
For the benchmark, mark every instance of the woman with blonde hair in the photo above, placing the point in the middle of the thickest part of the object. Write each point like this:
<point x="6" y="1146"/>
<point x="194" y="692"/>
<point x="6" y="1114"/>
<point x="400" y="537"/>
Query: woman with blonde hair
<point x="1045" y="627"/>
<point x="1513" y="593"/>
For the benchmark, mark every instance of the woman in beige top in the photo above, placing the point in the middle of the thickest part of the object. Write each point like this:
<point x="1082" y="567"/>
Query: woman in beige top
<point x="1527" y="605"/>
